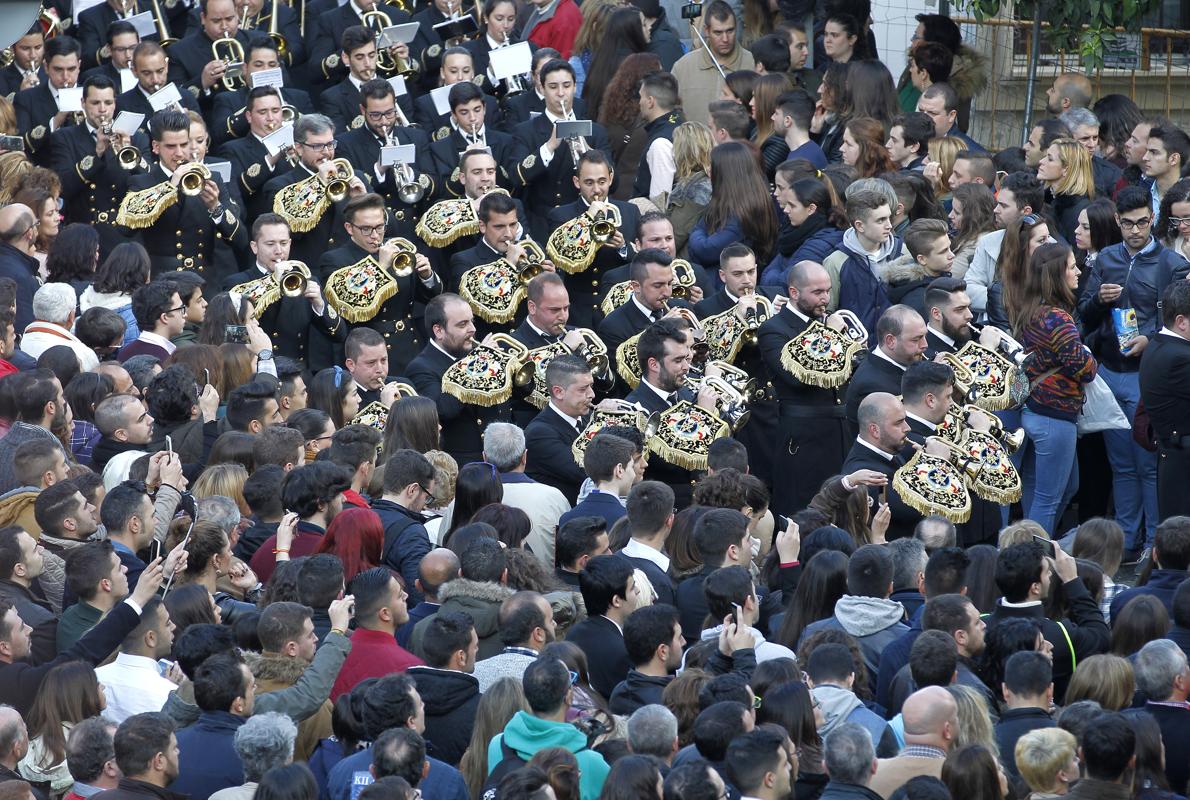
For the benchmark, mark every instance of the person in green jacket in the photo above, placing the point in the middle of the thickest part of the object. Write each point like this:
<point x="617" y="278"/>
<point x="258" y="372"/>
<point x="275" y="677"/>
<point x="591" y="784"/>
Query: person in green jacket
<point x="548" y="689"/>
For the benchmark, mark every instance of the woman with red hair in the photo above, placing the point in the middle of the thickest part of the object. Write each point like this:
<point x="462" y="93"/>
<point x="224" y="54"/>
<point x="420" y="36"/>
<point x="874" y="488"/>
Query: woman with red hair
<point x="863" y="147"/>
<point x="356" y="536"/>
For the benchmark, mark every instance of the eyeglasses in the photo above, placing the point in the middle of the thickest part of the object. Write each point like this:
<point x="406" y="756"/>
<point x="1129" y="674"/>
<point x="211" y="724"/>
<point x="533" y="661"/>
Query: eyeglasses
<point x="1177" y="221"/>
<point x="339" y="372"/>
<point x="495" y="472"/>
<point x="322" y="147"/>
<point x="377" y="116"/>
<point x="429" y="495"/>
<point x="369" y="230"/>
<point x="174" y="310"/>
<point x="1135" y="224"/>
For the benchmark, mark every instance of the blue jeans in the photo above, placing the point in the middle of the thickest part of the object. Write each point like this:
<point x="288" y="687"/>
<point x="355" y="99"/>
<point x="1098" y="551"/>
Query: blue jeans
<point x="1011" y="420"/>
<point x="1049" y="476"/>
<point x="1134" y="469"/>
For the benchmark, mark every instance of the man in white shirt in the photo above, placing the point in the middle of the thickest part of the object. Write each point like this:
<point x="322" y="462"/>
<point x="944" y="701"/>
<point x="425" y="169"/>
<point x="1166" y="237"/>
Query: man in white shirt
<point x="650" y="517"/>
<point x="133" y="682"/>
<point x="53" y="317"/>
<point x="504" y="448"/>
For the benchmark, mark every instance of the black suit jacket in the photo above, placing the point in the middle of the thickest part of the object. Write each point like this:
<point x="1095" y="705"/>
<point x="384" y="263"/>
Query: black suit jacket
<point x="679" y="479"/>
<point x="361" y="147"/>
<point x="90" y="28"/>
<point x="1165" y="385"/>
<point x="35" y="107"/>
<point x="134" y="100"/>
<point x="607" y="657"/>
<point x="904" y="518"/>
<point x="462" y="423"/>
<point x="425" y="114"/>
<point x="249" y="163"/>
<point x="935" y="345"/>
<point x="227" y="112"/>
<point x="548" y="441"/>
<point x="521" y="107"/>
<point x="11" y="77"/>
<point x="187" y="59"/>
<point x="327" y="234"/>
<point x="552" y="185"/>
<point x="584" y="287"/>
<point x="875" y="374"/>
<point x="445" y="152"/>
<point x="775" y="333"/>
<point x="620" y="326"/>
<point x="341" y="103"/>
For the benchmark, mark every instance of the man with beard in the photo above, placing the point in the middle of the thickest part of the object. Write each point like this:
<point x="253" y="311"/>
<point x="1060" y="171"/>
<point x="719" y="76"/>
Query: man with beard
<point x="654" y="641"/>
<point x="365" y="218"/>
<point x="549" y="437"/>
<point x="664" y="352"/>
<point x="652" y="277"/>
<point x="881" y="446"/>
<point x="526" y="627"/>
<point x="655" y="230"/>
<point x="1069" y="90"/>
<point x="452" y="330"/>
<point x="147" y="754"/>
<point x="41" y="409"/>
<point x="901" y="340"/>
<point x="949" y="315"/>
<point x="813" y="436"/>
<point x="124" y="424"/>
<point x="314" y="493"/>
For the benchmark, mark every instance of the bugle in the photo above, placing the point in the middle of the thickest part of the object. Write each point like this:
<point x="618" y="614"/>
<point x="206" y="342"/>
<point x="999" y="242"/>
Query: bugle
<point x="684" y="278"/>
<point x="404" y="260"/>
<point x="128" y="156"/>
<point x="229" y="50"/>
<point x="194" y="176"/>
<point x="578" y="145"/>
<point x="295" y="277"/>
<point x="337" y="183"/>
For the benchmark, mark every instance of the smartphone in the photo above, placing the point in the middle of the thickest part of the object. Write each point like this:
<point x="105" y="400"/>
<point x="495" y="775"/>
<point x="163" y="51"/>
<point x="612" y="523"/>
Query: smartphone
<point x="13" y="144"/>
<point x="206" y="374"/>
<point x="692" y="10"/>
<point x="169" y="446"/>
<point x="1047" y="545"/>
<point x="884" y="495"/>
<point x="235" y="334"/>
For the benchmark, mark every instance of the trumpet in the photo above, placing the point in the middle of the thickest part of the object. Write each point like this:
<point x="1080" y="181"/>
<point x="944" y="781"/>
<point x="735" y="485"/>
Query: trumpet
<point x="474" y="139"/>
<point x="731" y="406"/>
<point x="684" y="277"/>
<point x="128" y="157"/>
<point x="163" y="37"/>
<point x="1009" y="347"/>
<point x="1011" y="441"/>
<point x="229" y="50"/>
<point x="404" y="260"/>
<point x="605" y="221"/>
<point x="578" y="145"/>
<point x="295" y="277"/>
<point x="337" y="184"/>
<point x="194" y="176"/>
<point x="386" y="61"/>
<point x="409" y="191"/>
<point x="529" y="263"/>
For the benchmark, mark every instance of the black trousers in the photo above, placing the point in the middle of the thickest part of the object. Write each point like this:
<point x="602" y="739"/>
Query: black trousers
<point x="811" y="445"/>
<point x="1173" y="476"/>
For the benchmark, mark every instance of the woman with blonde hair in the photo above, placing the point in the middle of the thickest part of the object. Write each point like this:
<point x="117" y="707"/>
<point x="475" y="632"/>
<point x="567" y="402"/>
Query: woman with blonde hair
<point x="1047" y="760"/>
<point x="223" y="480"/>
<point x="239" y="365"/>
<point x="13" y="164"/>
<point x="693" y="143"/>
<point x="1107" y="679"/>
<point x="975" y="719"/>
<point x="1065" y="169"/>
<point x="943" y="153"/>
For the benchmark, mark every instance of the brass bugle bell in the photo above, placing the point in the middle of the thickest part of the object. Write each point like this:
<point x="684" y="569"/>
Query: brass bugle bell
<point x="602" y="229"/>
<point x="1011" y="441"/>
<point x="194" y="175"/>
<point x="295" y="277"/>
<point x="404" y="261"/>
<point x="336" y="185"/>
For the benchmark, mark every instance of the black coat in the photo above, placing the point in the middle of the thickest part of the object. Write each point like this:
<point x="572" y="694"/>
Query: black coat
<point x="637" y="690"/>
<point x="1015" y="723"/>
<point x="1175" y="733"/>
<point x="341" y="103"/>
<point x="187" y="59"/>
<point x="681" y="480"/>
<point x="875" y="374"/>
<point x="328" y="234"/>
<point x="1165" y="391"/>
<point x="90" y="28"/>
<point x="22" y="268"/>
<point x="11" y="77"/>
<point x="621" y="325"/>
<point x="904" y="518"/>
<point x="552" y="185"/>
<point x="227" y="111"/>
<point x="462" y="423"/>
<point x="35" y="107"/>
<point x="361" y="146"/>
<point x="584" y="287"/>
<point x="251" y="168"/>
<point x="137" y="102"/>
<point x="446" y="149"/>
<point x="607" y="657"/>
<point x="548" y="442"/>
<point x="451" y="699"/>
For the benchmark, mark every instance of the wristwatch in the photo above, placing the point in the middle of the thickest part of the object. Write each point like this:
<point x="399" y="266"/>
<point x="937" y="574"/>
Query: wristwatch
<point x="265" y="355"/>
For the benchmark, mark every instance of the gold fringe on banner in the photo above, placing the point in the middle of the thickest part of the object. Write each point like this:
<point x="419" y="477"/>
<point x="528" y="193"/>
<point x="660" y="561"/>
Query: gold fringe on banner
<point x="820" y="356"/>
<point x="628" y="361"/>
<point x="446" y="221"/>
<point x="302" y="204"/>
<point x="684" y="433"/>
<point x="932" y="485"/>
<point x="142" y="209"/>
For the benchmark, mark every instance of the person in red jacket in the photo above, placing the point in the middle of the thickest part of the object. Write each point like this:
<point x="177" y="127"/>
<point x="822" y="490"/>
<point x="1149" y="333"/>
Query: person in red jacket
<point x="380" y="609"/>
<point x="554" y="23"/>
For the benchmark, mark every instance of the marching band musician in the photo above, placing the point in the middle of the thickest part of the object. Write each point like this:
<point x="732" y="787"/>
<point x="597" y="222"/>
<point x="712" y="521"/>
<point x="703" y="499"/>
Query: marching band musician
<point x="85" y="158"/>
<point x="881" y="446"/>
<point x="37" y="107"/>
<point x="652" y="275"/>
<point x="469" y="130"/>
<point x="326" y="34"/>
<point x="949" y="320"/>
<point x="361" y="146"/>
<point x="28" y="63"/>
<point x="192" y="65"/>
<point x="524" y="106"/>
<point x="430" y="56"/>
<point x="665" y="356"/>
<point x="249" y="156"/>
<point x="927" y="390"/>
<point x="342" y="101"/>
<point x="231" y="106"/>
<point x="365" y="220"/>
<point x="314" y="143"/>
<point x="451" y="326"/>
<point x="182" y="234"/>
<point x="901" y="340"/>
<point x="499" y="31"/>
<point x="120" y="41"/>
<point x="655" y="230"/>
<point x="260" y="20"/>
<point x="301" y="328"/>
<point x="93" y="25"/>
<point x="477" y="171"/>
<point x="813" y="437"/>
<point x="550" y="435"/>
<point x="151" y="67"/>
<point x="593" y="179"/>
<point x="230" y="257"/>
<point x="549" y="168"/>
<point x="456" y="68"/>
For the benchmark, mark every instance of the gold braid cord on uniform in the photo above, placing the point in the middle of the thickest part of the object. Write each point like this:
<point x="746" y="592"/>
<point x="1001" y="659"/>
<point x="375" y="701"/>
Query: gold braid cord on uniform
<point x="628" y="361"/>
<point x="683" y="434"/>
<point x="142" y="209"/>
<point x="931" y="484"/>
<point x="617" y="296"/>
<point x="448" y="220"/>
<point x="820" y="356"/>
<point x="357" y="292"/>
<point x="485" y="376"/>
<point x="263" y="292"/>
<point x="302" y="204"/>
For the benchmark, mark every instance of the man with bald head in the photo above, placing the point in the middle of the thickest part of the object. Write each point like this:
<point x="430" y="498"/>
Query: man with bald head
<point x="121" y="380"/>
<point x="901" y="341"/>
<point x="438" y="567"/>
<point x="882" y="446"/>
<point x="18" y="232"/>
<point x="812" y="433"/>
<point x="1069" y="90"/>
<point x="14" y="744"/>
<point x="931" y="719"/>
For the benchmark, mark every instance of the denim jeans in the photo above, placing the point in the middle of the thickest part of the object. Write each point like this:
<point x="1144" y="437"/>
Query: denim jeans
<point x="1134" y="469"/>
<point x="1011" y="420"/>
<point x="1049" y="476"/>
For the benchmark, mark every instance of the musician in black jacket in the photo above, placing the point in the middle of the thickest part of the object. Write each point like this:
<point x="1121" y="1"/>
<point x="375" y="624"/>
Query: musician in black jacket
<point x="37" y="107"/>
<point x="28" y="63"/>
<point x="1165" y="391"/>
<point x="880" y="446"/>
<point x="451" y="325"/>
<point x="813" y="437"/>
<point x="192" y="63"/>
<point x="251" y="163"/>
<point x="499" y="21"/>
<point x="93" y="181"/>
<point x="325" y="34"/>
<point x="92" y="26"/>
<point x="550" y="435"/>
<point x="594" y="178"/>
<point x="456" y="68"/>
<point x="664" y="351"/>
<point x="341" y="102"/>
<point x="151" y="68"/>
<point x="948" y="324"/>
<point x="901" y="340"/>
<point x="182" y="236"/>
<point x="260" y="22"/>
<point x="301" y="328"/>
<point x="549" y="168"/>
<point x="655" y="230"/>
<point x="521" y="107"/>
<point x="229" y="108"/>
<point x="361" y="146"/>
<point x="653" y="275"/>
<point x="467" y="129"/>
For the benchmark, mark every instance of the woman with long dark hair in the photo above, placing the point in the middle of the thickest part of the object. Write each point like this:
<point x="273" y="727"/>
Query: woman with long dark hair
<point x="814" y="214"/>
<point x="334" y="391"/>
<point x="125" y="270"/>
<point x="741" y="209"/>
<point x="1042" y="320"/>
<point x="633" y="778"/>
<point x="316" y="427"/>
<point x="823" y="582"/>
<point x="623" y="35"/>
<point x="832" y="111"/>
<point x="871" y="93"/>
<point x="1022" y="237"/>
<point x="1173" y="222"/>
<point x="972" y="773"/>
<point x="69" y="694"/>
<point x="412" y="425"/>
<point x="972" y="214"/>
<point x="478" y="485"/>
<point x="863" y="147"/>
<point x="739" y="86"/>
<point x="73" y="257"/>
<point x="1098" y="228"/>
<point x="619" y="113"/>
<point x="83" y="393"/>
<point x="773" y="149"/>
<point x="1118" y="115"/>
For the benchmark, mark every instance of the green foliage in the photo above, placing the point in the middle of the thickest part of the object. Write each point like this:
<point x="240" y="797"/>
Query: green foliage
<point x="1085" y="27"/>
